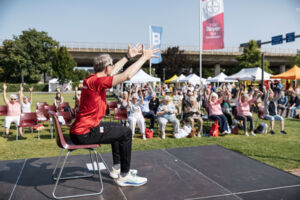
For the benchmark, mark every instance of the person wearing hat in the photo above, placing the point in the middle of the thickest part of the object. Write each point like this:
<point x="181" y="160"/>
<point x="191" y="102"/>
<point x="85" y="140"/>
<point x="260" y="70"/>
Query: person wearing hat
<point x="166" y="112"/>
<point x="135" y="114"/>
<point x="13" y="110"/>
<point x="88" y="127"/>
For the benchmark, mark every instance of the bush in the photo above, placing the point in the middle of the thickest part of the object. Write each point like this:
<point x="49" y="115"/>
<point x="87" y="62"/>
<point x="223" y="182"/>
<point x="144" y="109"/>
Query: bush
<point x="11" y="87"/>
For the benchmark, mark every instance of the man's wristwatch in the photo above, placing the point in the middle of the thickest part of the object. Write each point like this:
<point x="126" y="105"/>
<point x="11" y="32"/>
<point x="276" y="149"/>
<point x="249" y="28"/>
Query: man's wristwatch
<point x="127" y="57"/>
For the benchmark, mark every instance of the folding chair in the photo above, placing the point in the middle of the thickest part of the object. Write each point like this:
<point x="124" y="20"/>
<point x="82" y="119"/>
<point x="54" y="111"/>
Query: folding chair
<point x="111" y="106"/>
<point x="3" y="112"/>
<point x="120" y="114"/>
<point x="28" y="120"/>
<point x="40" y="105"/>
<point x="67" y="118"/>
<point x="66" y="144"/>
<point x="62" y="105"/>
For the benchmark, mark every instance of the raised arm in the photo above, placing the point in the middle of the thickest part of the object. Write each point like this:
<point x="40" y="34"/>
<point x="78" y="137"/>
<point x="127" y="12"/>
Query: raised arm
<point x="30" y="94"/>
<point x="141" y="96"/>
<point x="132" y="52"/>
<point x="4" y="94"/>
<point x="132" y="69"/>
<point x="21" y="94"/>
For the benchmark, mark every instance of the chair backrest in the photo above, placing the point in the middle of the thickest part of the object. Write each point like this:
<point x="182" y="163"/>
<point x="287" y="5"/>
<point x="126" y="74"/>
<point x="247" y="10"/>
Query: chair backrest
<point x="3" y="110"/>
<point x="59" y="137"/>
<point x="120" y="114"/>
<point x="50" y="108"/>
<point x="260" y="113"/>
<point x="42" y="114"/>
<point x="112" y="104"/>
<point x="67" y="117"/>
<point x="40" y="105"/>
<point x="28" y="119"/>
<point x="62" y="105"/>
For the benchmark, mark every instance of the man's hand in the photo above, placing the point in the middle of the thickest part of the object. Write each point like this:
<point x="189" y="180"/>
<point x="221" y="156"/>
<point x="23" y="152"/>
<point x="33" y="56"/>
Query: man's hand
<point x="149" y="53"/>
<point x="136" y="50"/>
<point x="31" y="89"/>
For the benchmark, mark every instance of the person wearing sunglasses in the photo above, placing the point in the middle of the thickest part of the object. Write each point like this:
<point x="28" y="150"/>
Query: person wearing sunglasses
<point x="13" y="110"/>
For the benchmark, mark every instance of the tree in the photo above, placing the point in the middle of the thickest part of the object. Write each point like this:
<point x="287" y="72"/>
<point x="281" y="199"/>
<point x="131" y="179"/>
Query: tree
<point x="79" y="75"/>
<point x="296" y="60"/>
<point x="63" y="65"/>
<point x="31" y="51"/>
<point x="174" y="61"/>
<point x="251" y="57"/>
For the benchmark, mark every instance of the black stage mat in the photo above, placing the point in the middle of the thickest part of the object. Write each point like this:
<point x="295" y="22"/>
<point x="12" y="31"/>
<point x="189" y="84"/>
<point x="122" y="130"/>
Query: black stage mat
<point x="205" y="172"/>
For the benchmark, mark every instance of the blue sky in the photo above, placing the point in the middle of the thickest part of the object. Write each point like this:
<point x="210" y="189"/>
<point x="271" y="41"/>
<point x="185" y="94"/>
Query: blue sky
<point x="119" y="21"/>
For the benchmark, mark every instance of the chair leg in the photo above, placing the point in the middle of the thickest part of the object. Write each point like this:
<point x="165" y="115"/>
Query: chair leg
<point x="39" y="133"/>
<point x="64" y="178"/>
<point x="58" y="160"/>
<point x="17" y="134"/>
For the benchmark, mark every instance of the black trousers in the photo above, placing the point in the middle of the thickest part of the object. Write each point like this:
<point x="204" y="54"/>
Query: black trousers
<point x="245" y="119"/>
<point x="150" y="115"/>
<point x="120" y="138"/>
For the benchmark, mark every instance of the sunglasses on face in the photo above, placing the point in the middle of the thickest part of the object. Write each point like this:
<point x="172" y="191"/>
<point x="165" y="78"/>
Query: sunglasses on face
<point x="13" y="99"/>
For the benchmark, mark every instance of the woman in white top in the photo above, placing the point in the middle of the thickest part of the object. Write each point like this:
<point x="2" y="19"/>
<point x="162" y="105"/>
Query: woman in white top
<point x="136" y="115"/>
<point x="26" y="103"/>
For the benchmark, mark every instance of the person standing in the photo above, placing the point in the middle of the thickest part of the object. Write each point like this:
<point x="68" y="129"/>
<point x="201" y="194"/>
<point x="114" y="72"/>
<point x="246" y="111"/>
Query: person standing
<point x="26" y="103"/>
<point x="88" y="127"/>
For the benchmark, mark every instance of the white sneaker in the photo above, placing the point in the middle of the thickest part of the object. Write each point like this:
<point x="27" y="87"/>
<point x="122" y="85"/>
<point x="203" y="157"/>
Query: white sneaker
<point x="163" y="136"/>
<point x="246" y="134"/>
<point x="144" y="137"/>
<point x="199" y="135"/>
<point x="253" y="134"/>
<point x="114" y="173"/>
<point x="131" y="180"/>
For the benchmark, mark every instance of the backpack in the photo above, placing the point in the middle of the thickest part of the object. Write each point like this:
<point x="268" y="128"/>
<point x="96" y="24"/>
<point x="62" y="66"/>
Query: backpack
<point x="262" y="128"/>
<point x="214" y="131"/>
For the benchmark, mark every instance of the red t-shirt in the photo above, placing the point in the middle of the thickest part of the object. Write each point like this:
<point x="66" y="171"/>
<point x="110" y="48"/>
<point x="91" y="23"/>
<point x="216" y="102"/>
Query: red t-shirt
<point x="92" y="104"/>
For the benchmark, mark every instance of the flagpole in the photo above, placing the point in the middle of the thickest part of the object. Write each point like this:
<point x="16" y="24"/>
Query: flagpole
<point x="150" y="46"/>
<point x="200" y="42"/>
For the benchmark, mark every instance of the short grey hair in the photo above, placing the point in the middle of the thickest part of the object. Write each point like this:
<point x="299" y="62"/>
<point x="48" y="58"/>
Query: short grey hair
<point x="102" y="61"/>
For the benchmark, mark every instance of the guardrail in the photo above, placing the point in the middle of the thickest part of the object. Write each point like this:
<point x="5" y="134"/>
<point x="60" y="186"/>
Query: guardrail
<point x="188" y="49"/>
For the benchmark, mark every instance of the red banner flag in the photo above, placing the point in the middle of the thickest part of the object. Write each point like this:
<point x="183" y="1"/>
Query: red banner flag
<point x="213" y="24"/>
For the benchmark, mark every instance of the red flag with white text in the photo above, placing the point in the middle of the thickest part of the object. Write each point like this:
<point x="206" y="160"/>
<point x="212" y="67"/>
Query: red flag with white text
<point x="213" y="24"/>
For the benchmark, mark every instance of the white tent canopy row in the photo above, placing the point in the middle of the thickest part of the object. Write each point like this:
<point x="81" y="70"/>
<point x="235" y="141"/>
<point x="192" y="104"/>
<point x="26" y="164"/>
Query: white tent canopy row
<point x="54" y="84"/>
<point x="176" y="80"/>
<point x="249" y="74"/>
<point x="220" y="78"/>
<point x="193" y="78"/>
<point x="142" y="77"/>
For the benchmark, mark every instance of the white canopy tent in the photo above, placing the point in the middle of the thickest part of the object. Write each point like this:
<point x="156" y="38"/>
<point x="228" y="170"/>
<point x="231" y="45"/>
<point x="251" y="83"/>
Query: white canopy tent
<point x="192" y="78"/>
<point x="220" y="78"/>
<point x="249" y="74"/>
<point x="179" y="78"/>
<point x="54" y="84"/>
<point x="142" y="77"/>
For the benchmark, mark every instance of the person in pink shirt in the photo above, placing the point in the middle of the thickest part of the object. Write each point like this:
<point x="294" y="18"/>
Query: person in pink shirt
<point x="13" y="109"/>
<point x="243" y="111"/>
<point x="215" y="112"/>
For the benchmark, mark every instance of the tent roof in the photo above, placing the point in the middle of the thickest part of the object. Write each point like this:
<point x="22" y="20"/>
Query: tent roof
<point x="171" y="79"/>
<point x="220" y="78"/>
<point x="193" y="78"/>
<point x="292" y="74"/>
<point x="142" y="77"/>
<point x="249" y="74"/>
<point x="179" y="78"/>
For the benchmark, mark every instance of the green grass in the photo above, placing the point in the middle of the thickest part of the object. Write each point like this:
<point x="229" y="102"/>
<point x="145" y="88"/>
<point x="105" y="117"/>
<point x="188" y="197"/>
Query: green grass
<point x="281" y="151"/>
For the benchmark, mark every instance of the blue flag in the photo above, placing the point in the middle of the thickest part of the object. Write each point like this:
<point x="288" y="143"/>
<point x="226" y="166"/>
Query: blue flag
<point x="155" y="39"/>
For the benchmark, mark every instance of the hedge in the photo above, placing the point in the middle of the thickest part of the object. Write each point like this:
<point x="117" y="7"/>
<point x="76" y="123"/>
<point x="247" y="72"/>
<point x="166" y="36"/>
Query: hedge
<point x="13" y="87"/>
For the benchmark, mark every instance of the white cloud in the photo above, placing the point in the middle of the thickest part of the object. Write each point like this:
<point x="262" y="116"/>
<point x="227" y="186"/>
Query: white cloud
<point x="298" y="9"/>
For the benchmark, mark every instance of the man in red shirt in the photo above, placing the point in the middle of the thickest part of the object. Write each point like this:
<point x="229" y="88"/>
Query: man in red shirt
<point x="88" y="127"/>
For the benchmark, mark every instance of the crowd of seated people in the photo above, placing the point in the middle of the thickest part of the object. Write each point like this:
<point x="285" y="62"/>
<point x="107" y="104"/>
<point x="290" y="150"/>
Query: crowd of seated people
<point x="227" y="103"/>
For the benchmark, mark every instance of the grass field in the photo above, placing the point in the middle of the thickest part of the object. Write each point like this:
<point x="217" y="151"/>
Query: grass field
<point x="281" y="151"/>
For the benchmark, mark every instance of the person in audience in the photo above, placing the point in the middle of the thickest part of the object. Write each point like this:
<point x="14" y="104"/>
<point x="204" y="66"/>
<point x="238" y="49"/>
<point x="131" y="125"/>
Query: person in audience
<point x="58" y="99"/>
<point x="88" y="127"/>
<point x="26" y="103"/>
<point x="13" y="110"/>
<point x="123" y="101"/>
<point x="154" y="103"/>
<point x="166" y="112"/>
<point x="77" y="99"/>
<point x="215" y="112"/>
<point x="282" y="103"/>
<point x="177" y="101"/>
<point x="192" y="114"/>
<point x="145" y="106"/>
<point x="270" y="110"/>
<point x="294" y="104"/>
<point x="136" y="115"/>
<point x="243" y="111"/>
